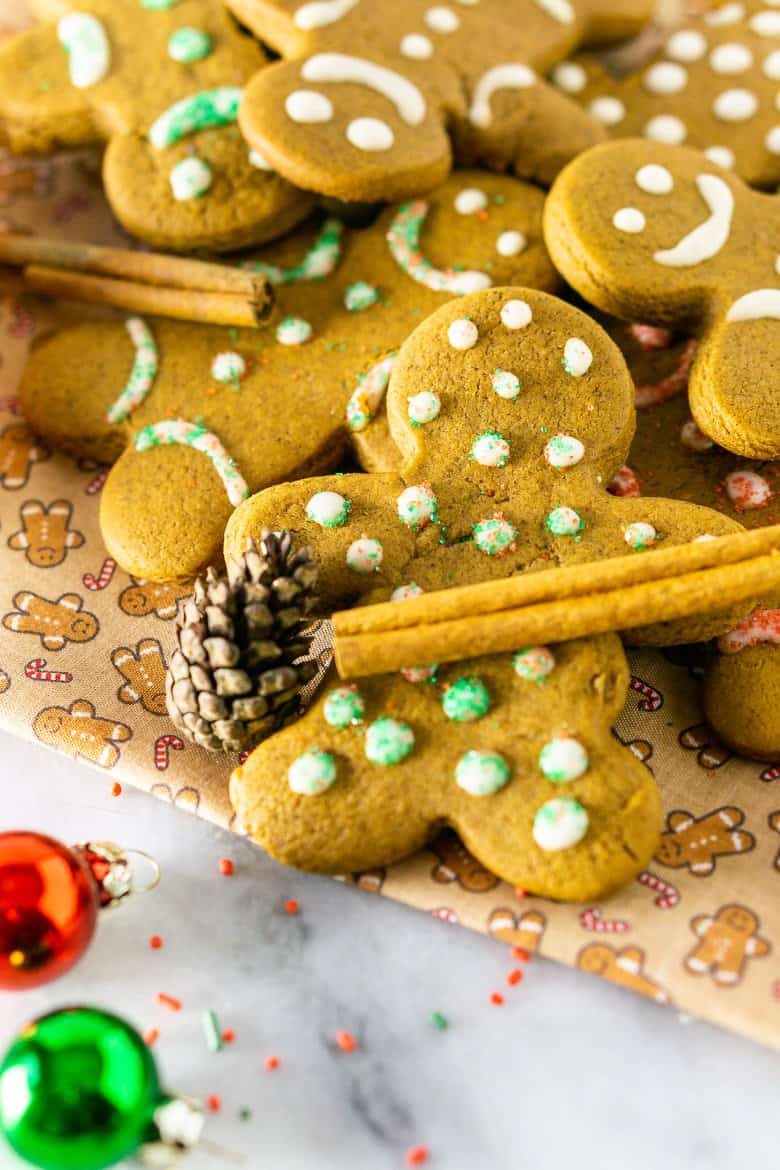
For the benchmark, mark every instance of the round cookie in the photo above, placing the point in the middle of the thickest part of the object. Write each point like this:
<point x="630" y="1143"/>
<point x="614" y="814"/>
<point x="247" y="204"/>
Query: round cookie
<point x="200" y="415"/>
<point x="574" y="835"/>
<point x="691" y="245"/>
<point x="494" y="485"/>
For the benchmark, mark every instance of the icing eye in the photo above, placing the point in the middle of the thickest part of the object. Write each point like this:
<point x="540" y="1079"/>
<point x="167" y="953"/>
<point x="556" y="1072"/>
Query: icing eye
<point x="730" y="58"/>
<point x="666" y="78"/>
<point x="722" y="156"/>
<point x="577" y="357"/>
<point x="510" y="243"/>
<point x="515" y="315"/>
<point x="417" y="47"/>
<point x="370" y="134"/>
<point x="470" y="200"/>
<point x="306" y="105"/>
<point x="735" y="105"/>
<point x="654" y="179"/>
<point x="463" y="334"/>
<point x="666" y="128"/>
<point x="441" y="19"/>
<point x="570" y="77"/>
<point x="687" y="45"/>
<point x="608" y="110"/>
<point x="629" y="220"/>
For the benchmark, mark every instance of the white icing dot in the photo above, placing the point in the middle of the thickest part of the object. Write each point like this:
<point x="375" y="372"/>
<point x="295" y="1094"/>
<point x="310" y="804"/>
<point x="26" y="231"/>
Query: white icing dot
<point x="189" y="179"/>
<point x="608" y="110"/>
<point x="629" y="220"/>
<point x="687" y="45"/>
<point x="728" y="14"/>
<point x="563" y="759"/>
<point x="730" y="58"/>
<point x="516" y="314"/>
<point x="747" y="489"/>
<point x="228" y="367"/>
<point x="564" y="451"/>
<point x="417" y="506"/>
<point x="640" y="535"/>
<point x="510" y="243"/>
<point x="577" y="357"/>
<point x="766" y="24"/>
<point x="463" y="334"/>
<point x="654" y="179"/>
<point x="735" y="105"/>
<point x="364" y="555"/>
<point x="258" y="160"/>
<point x="771" y="66"/>
<point x="695" y="439"/>
<point x="777" y="265"/>
<point x="306" y="105"/>
<point x="294" y="331"/>
<point x="772" y="140"/>
<point x="666" y="77"/>
<point x="417" y="47"/>
<point x="404" y="592"/>
<point x="424" y="407"/>
<point x="506" y="385"/>
<point x="490" y="450"/>
<point x="722" y="155"/>
<point x="370" y="134"/>
<point x="328" y="509"/>
<point x="470" y="200"/>
<point x="666" y="128"/>
<point x="312" y="773"/>
<point x="441" y="19"/>
<point x="570" y="77"/>
<point x="560" y="824"/>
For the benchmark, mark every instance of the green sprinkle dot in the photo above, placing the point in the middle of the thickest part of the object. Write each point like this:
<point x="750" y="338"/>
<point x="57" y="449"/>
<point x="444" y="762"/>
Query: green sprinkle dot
<point x="466" y="700"/>
<point x="439" y="1021"/>
<point x="187" y="45"/>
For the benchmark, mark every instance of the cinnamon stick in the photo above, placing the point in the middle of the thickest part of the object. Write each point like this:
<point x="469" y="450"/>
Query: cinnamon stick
<point x="560" y="605"/>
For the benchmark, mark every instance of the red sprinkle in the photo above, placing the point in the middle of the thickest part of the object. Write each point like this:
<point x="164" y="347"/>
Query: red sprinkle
<point x="116" y="788"/>
<point x="416" y="1156"/>
<point x="213" y="1103"/>
<point x="520" y="892"/>
<point x="497" y="998"/>
<point x="521" y="954"/>
<point x="228" y="1036"/>
<point x="150" y="1035"/>
<point x="155" y="942"/>
<point x="291" y="906"/>
<point x="514" y="977"/>
<point x="226" y="867"/>
<point x="169" y="1001"/>
<point x="271" y="1062"/>
<point x="346" y="1041"/>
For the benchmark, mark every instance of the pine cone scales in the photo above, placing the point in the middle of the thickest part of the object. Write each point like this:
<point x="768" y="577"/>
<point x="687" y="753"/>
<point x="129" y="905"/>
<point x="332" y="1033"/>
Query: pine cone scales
<point x="233" y="677"/>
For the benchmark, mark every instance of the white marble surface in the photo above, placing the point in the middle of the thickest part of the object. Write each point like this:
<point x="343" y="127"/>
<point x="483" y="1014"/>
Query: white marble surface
<point x="569" y="1072"/>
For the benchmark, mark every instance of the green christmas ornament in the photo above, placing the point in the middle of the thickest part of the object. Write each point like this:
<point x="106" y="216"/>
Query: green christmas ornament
<point x="79" y="1091"/>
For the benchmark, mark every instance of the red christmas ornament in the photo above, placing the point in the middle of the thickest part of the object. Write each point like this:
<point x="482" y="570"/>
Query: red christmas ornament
<point x="49" y="898"/>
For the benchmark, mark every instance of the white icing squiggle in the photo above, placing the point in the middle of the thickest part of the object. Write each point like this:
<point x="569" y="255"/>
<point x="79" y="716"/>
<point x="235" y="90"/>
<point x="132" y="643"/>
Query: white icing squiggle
<point x="499" y="77"/>
<point x="340" y="67"/>
<point x="89" y="54"/>
<point x="179" y="432"/>
<point x="759" y="305"/>
<point x="142" y="375"/>
<point x="369" y="394"/>
<point x="320" y="13"/>
<point x="709" y="237"/>
<point x="560" y="10"/>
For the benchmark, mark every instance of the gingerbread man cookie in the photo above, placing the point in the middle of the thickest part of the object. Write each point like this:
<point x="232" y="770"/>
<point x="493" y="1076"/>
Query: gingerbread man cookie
<point x="670" y="455"/>
<point x="79" y="732"/>
<point x="727" y="941"/>
<point x="625" y="967"/>
<point x="513" y="752"/>
<point x="512" y="411"/>
<point x="712" y="86"/>
<point x="161" y="83"/>
<point x="696" y="843"/>
<point x="206" y="415"/>
<point x="370" y="94"/>
<point x="46" y="536"/>
<point x="56" y="623"/>
<point x="19" y="450"/>
<point x="658" y="233"/>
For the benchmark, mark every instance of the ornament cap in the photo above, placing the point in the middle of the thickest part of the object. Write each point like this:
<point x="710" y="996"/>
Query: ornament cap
<point x="177" y="1127"/>
<point x="114" y="871"/>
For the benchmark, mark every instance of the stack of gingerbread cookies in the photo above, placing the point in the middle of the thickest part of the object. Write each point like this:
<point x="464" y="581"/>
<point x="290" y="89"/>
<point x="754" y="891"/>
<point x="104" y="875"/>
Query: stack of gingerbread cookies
<point x="526" y="317"/>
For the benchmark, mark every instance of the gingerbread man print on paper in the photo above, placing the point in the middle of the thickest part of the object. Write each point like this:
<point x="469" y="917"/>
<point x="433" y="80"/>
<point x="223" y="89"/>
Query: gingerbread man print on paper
<point x="143" y="670"/>
<point x="696" y="843"/>
<point x="79" y="732"/>
<point x="524" y="930"/>
<point x="456" y="864"/>
<point x="659" y="233"/>
<point x="46" y="536"/>
<point x="56" y="623"/>
<point x="728" y="940"/>
<point x="19" y="451"/>
<point x="623" y="966"/>
<point x="374" y="98"/>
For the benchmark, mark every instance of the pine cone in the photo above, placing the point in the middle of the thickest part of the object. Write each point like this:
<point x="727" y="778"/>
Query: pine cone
<point x="234" y="677"/>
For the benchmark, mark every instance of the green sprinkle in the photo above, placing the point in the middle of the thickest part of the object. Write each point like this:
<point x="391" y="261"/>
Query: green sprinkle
<point x="440" y="1022"/>
<point x="212" y="1031"/>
